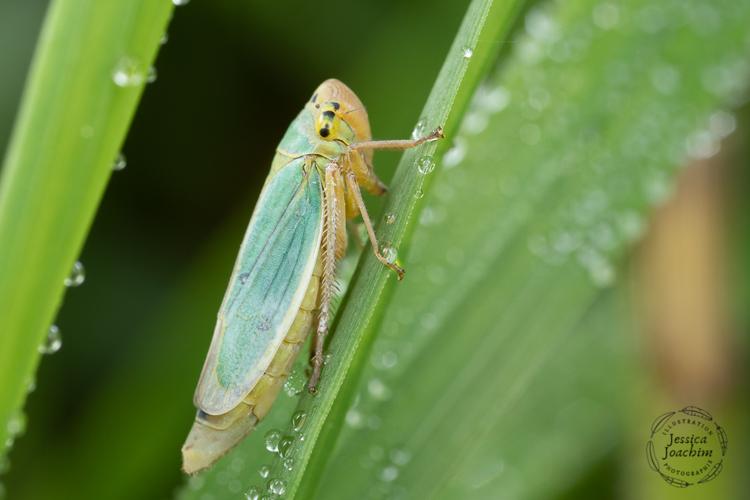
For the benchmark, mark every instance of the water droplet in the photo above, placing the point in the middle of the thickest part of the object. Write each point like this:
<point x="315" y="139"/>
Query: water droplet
<point x="120" y="162"/>
<point x="389" y="474"/>
<point x="630" y="225"/>
<point x="474" y="122"/>
<point x="419" y="193"/>
<point x="388" y="360"/>
<point x="493" y="100"/>
<point x="468" y="52"/>
<point x="456" y="154"/>
<point x="606" y="16"/>
<point x="390" y="218"/>
<point x="164" y="39"/>
<point x="151" y="75"/>
<point x="277" y="486"/>
<point x="87" y="131"/>
<point x="399" y="456"/>
<point x="378" y="389"/>
<point x="702" y="144"/>
<point x="264" y="471"/>
<point x="253" y="493"/>
<point x="272" y="440"/>
<point x="288" y="463"/>
<point x="541" y="26"/>
<point x="295" y="383"/>
<point x="128" y="73"/>
<point x="298" y="420"/>
<point x="16" y="425"/>
<point x="425" y="165"/>
<point x="600" y="270"/>
<point x="722" y="123"/>
<point x="431" y="216"/>
<point x="390" y="254"/>
<point x="77" y="275"/>
<point x="419" y="129"/>
<point x="354" y="418"/>
<point x="53" y="342"/>
<point x="179" y="3"/>
<point x="285" y="446"/>
<point x="565" y="242"/>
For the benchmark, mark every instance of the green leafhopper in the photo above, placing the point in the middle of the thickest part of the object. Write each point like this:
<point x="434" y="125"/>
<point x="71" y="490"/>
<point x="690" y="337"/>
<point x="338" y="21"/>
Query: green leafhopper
<point x="283" y="279"/>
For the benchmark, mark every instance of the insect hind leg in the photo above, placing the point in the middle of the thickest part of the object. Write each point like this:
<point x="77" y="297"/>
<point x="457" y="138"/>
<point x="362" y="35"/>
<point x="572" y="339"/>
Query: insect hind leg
<point x="332" y="213"/>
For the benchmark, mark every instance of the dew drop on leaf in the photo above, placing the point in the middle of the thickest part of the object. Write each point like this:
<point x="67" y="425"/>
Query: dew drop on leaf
<point x="390" y="254"/>
<point x="425" y="165"/>
<point x="264" y="471"/>
<point x="53" y="342"/>
<point x="120" y="162"/>
<point x="272" y="440"/>
<point x="277" y="486"/>
<point x="77" y="275"/>
<point x="298" y="420"/>
<point x="128" y="73"/>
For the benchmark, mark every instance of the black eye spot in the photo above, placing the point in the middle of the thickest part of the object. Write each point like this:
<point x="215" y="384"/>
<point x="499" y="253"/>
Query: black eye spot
<point x="324" y="132"/>
<point x="317" y="106"/>
<point x="335" y="105"/>
<point x="329" y="114"/>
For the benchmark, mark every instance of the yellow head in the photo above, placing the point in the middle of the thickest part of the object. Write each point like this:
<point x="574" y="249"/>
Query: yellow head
<point x="339" y="114"/>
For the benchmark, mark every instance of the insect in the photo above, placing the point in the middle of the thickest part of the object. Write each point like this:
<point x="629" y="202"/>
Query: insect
<point x="283" y="280"/>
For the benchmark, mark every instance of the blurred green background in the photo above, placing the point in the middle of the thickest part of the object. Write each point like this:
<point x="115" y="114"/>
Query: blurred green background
<point x="232" y="74"/>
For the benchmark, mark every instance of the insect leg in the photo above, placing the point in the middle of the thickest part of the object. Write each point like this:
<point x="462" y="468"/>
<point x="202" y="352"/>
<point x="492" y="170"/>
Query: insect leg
<point x="397" y="144"/>
<point x="331" y="223"/>
<point x="351" y="184"/>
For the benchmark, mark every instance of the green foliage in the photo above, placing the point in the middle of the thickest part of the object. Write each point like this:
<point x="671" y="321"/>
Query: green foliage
<point x="502" y="363"/>
<point x="91" y="63"/>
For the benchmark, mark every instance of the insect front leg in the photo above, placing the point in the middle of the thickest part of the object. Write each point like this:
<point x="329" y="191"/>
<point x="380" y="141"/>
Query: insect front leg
<point x="353" y="187"/>
<point x="397" y="144"/>
<point x="333" y="246"/>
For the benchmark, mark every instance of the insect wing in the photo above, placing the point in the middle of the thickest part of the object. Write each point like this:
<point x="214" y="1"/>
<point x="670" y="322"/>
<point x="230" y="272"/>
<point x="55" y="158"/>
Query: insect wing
<point x="270" y="277"/>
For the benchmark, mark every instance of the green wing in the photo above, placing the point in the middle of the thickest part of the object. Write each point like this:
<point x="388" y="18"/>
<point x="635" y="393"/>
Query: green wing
<point x="270" y="277"/>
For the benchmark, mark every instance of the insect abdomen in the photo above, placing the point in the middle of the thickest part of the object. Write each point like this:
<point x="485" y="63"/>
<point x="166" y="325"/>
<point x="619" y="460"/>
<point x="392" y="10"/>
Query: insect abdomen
<point x="214" y="435"/>
<point x="262" y="396"/>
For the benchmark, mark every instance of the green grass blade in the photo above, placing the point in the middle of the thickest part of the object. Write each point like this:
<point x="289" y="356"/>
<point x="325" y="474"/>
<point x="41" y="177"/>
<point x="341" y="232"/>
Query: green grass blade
<point x="72" y="121"/>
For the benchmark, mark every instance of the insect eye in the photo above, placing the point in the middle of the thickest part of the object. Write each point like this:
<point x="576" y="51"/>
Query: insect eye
<point x="327" y="123"/>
